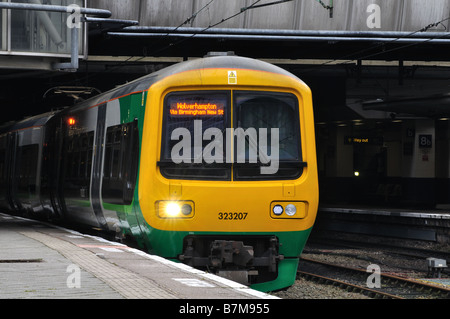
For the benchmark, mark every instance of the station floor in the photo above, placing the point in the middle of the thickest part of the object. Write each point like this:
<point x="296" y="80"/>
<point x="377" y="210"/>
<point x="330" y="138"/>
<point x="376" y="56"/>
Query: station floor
<point x="42" y="261"/>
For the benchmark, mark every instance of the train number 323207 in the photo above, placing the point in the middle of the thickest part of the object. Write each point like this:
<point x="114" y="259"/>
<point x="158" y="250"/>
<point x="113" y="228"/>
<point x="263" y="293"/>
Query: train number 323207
<point x="232" y="216"/>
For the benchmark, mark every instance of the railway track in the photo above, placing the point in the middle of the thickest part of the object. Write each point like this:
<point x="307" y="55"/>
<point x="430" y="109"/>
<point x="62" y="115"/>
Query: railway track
<point x="355" y="280"/>
<point x="347" y="286"/>
<point x="417" y="253"/>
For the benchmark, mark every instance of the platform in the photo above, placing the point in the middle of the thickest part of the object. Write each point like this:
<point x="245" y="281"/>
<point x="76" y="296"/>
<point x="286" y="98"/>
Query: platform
<point x="43" y="261"/>
<point x="418" y="224"/>
<point x="439" y="213"/>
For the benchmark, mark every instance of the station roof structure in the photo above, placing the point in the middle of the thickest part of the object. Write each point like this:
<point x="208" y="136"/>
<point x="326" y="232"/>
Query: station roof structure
<point x="287" y="29"/>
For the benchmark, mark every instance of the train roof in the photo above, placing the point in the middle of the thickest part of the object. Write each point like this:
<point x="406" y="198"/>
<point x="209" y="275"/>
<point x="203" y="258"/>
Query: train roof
<point x="145" y="82"/>
<point x="29" y="122"/>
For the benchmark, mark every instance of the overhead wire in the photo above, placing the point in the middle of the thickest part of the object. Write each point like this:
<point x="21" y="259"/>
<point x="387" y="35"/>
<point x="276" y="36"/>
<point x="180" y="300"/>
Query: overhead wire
<point x="208" y="27"/>
<point x="125" y="62"/>
<point x="269" y="4"/>
<point x="328" y="7"/>
<point x="191" y="18"/>
<point x="230" y="17"/>
<point x="203" y="30"/>
<point x="188" y="20"/>
<point x="411" y="44"/>
<point x="386" y="91"/>
<point x="348" y="57"/>
<point x="424" y="29"/>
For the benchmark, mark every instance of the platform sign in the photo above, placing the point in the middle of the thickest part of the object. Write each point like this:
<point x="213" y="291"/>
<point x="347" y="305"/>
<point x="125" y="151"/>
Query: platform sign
<point x="361" y="140"/>
<point x="425" y="141"/>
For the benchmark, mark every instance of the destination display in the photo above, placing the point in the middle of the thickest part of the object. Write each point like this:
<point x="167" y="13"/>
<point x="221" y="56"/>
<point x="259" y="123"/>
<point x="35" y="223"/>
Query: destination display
<point x="197" y="109"/>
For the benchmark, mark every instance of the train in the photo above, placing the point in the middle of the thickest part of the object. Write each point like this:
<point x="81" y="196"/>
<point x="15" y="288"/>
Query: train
<point x="210" y="162"/>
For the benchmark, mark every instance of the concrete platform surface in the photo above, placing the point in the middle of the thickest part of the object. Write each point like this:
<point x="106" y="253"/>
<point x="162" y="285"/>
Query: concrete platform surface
<point x="42" y="261"/>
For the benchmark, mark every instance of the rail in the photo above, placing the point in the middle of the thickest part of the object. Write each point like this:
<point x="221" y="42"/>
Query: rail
<point x="391" y="285"/>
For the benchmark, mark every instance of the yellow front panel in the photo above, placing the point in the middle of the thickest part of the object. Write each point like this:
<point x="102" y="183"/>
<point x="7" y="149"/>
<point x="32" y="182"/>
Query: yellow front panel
<point x="226" y="206"/>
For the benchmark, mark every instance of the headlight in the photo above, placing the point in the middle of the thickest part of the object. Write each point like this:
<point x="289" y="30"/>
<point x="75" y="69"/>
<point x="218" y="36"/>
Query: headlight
<point x="288" y="209"/>
<point x="172" y="209"/>
<point x="186" y="209"/>
<point x="175" y="209"/>
<point x="291" y="210"/>
<point x="277" y="210"/>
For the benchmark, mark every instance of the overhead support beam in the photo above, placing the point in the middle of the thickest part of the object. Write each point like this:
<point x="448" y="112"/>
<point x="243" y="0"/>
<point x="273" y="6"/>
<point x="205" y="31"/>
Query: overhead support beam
<point x="284" y="35"/>
<point x="440" y="105"/>
<point x="281" y="32"/>
<point x="305" y="62"/>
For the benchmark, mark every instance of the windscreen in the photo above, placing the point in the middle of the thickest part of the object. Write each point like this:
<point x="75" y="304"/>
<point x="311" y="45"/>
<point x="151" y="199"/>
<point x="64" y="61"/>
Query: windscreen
<point x="224" y="135"/>
<point x="274" y="118"/>
<point x="194" y="121"/>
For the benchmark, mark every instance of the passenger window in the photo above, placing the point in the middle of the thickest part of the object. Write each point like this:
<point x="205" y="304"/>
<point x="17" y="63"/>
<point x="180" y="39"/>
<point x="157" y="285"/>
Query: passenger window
<point x="120" y="163"/>
<point x="78" y="165"/>
<point x="28" y="159"/>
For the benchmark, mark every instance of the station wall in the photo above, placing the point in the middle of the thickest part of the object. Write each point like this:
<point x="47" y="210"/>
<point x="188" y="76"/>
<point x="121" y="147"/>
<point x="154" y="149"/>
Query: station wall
<point x="400" y="162"/>
<point x="394" y="15"/>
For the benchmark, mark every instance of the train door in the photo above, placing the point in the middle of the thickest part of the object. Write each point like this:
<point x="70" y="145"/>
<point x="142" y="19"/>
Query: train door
<point x="82" y="144"/>
<point x="12" y="170"/>
<point x="57" y="187"/>
<point x="97" y="170"/>
<point x="51" y="183"/>
<point x="3" y="180"/>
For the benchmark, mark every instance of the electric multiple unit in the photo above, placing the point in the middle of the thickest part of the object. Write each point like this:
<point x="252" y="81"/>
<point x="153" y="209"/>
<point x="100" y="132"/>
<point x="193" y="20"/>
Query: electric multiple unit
<point x="210" y="162"/>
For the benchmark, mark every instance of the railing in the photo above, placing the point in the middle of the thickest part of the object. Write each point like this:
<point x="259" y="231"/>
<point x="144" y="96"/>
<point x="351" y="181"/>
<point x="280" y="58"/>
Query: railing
<point x="51" y="29"/>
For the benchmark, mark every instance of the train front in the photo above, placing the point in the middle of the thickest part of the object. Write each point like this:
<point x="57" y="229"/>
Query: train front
<point x="228" y="176"/>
